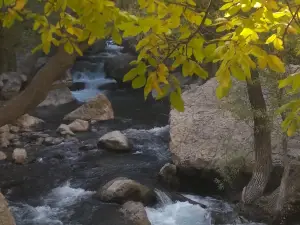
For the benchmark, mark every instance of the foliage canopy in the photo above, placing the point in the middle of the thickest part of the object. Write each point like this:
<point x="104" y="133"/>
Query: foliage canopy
<point x="241" y="36"/>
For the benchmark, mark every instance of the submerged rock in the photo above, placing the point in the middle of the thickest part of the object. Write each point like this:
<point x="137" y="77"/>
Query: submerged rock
<point x="168" y="176"/>
<point x="115" y="141"/>
<point x="121" y="190"/>
<point x="79" y="125"/>
<point x="5" y="136"/>
<point x="19" y="155"/>
<point x="3" y="156"/>
<point x="6" y="217"/>
<point x="99" y="108"/>
<point x="135" y="213"/>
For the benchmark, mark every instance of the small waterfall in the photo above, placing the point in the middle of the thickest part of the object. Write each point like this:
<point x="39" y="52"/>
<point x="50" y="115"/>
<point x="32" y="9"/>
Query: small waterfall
<point x="163" y="198"/>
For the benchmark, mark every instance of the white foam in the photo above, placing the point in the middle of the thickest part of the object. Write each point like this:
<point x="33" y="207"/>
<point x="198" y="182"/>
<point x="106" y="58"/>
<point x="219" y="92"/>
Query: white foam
<point x="156" y="130"/>
<point x="179" y="213"/>
<point x="55" y="206"/>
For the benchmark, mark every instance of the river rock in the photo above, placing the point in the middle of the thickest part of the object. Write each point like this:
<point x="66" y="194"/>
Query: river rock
<point x="115" y="141"/>
<point x="26" y="122"/>
<point x="135" y="213"/>
<point x="5" y="136"/>
<point x="99" y="108"/>
<point x="128" y="45"/>
<point x="79" y="125"/>
<point x="118" y="66"/>
<point x="11" y="84"/>
<point x="6" y="217"/>
<point x="168" y="176"/>
<point x="121" y="190"/>
<point x="64" y="129"/>
<point x="19" y="155"/>
<point x="3" y="156"/>
<point x="97" y="47"/>
<point x="214" y="134"/>
<point x="58" y="96"/>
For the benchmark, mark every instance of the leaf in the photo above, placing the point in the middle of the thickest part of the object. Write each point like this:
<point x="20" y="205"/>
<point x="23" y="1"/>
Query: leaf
<point x="292" y="129"/>
<point x="130" y="75"/>
<point x="139" y="82"/>
<point x="237" y="72"/>
<point x="141" y="68"/>
<point x="176" y="101"/>
<point x="271" y="38"/>
<point x="226" y="6"/>
<point x="116" y="37"/>
<point x="276" y="64"/>
<point x="69" y="47"/>
<point x="201" y="72"/>
<point x="278" y="44"/>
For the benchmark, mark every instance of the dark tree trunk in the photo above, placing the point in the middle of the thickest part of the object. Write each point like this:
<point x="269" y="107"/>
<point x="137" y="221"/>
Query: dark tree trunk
<point x="262" y="142"/>
<point x="9" y="39"/>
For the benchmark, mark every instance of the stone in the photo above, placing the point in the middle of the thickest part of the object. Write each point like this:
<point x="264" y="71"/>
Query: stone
<point x="3" y="156"/>
<point x="79" y="125"/>
<point x="213" y="134"/>
<point x="11" y="84"/>
<point x="129" y="45"/>
<point x="64" y="129"/>
<point x="98" y="108"/>
<point x="5" y="136"/>
<point x="19" y="155"/>
<point x="58" y="96"/>
<point x="121" y="190"/>
<point x="97" y="47"/>
<point x="39" y="141"/>
<point x="26" y="122"/>
<point x="117" y="66"/>
<point x="14" y="129"/>
<point x="168" y="176"/>
<point x="135" y="213"/>
<point x="115" y="141"/>
<point x="6" y="217"/>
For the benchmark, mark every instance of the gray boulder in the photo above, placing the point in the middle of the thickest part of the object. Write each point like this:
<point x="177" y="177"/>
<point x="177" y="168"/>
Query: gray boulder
<point x="3" y="156"/>
<point x="117" y="66"/>
<point x="11" y="84"/>
<point x="135" y="213"/>
<point x="214" y="134"/>
<point x="115" y="141"/>
<point x="121" y="190"/>
<point x="168" y="176"/>
<point x="58" y="96"/>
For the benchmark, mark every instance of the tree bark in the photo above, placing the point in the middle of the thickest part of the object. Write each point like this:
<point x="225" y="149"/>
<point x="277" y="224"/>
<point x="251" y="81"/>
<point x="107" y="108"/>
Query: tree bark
<point x="38" y="88"/>
<point x="262" y="142"/>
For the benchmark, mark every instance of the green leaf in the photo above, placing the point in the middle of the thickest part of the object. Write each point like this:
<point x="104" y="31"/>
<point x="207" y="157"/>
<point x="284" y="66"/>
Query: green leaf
<point x="130" y="75"/>
<point x="176" y="101"/>
<point x="271" y="38"/>
<point x="139" y="82"/>
<point x="200" y="71"/>
<point x="237" y="72"/>
<point x="226" y="6"/>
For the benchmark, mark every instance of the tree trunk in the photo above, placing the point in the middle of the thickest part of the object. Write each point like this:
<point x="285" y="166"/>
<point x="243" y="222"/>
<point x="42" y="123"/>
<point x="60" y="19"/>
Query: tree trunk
<point x="38" y="88"/>
<point x="262" y="142"/>
<point x="9" y="38"/>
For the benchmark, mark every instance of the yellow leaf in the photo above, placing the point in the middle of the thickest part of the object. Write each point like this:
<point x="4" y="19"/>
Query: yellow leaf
<point x="116" y="36"/>
<point x="176" y="101"/>
<point x="292" y="129"/>
<point x="271" y="38"/>
<point x="278" y="44"/>
<point x="69" y="47"/>
<point x="275" y="64"/>
<point x="262" y="62"/>
<point x="20" y="4"/>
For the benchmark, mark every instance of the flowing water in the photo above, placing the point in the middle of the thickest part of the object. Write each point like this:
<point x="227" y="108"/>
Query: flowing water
<point x="59" y="187"/>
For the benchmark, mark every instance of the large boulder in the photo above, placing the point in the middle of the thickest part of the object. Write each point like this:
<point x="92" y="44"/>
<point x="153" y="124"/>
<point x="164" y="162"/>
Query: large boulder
<point x="99" y="108"/>
<point x="19" y="155"/>
<point x="213" y="134"/>
<point x="121" y="190"/>
<point x="117" y="66"/>
<point x="115" y="141"/>
<point x="135" y="213"/>
<point x="58" y="96"/>
<point x="64" y="129"/>
<point x="6" y="217"/>
<point x="10" y="84"/>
